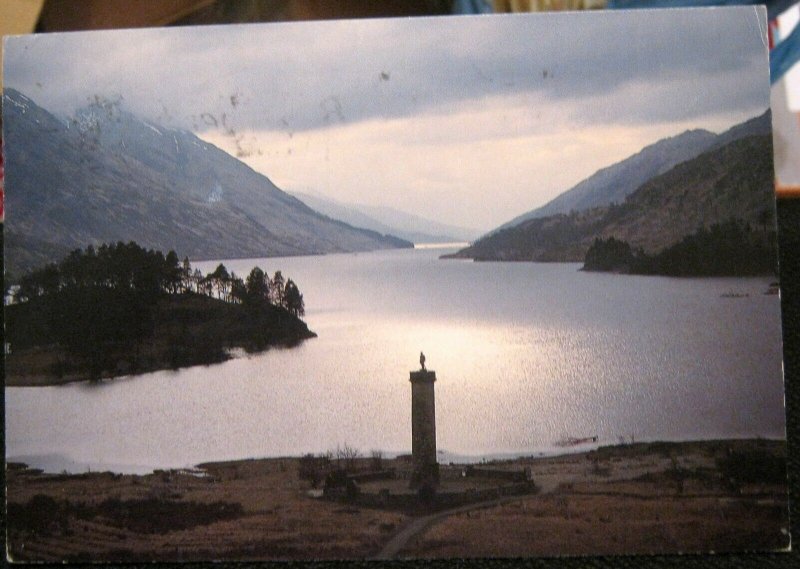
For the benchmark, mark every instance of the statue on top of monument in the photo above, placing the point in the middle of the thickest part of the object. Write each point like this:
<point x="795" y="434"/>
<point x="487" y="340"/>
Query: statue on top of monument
<point x="422" y="360"/>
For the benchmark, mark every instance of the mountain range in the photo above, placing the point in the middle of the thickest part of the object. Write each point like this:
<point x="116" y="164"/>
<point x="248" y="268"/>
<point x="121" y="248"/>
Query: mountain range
<point x="105" y="175"/>
<point x="614" y="183"/>
<point x="732" y="179"/>
<point x="388" y="220"/>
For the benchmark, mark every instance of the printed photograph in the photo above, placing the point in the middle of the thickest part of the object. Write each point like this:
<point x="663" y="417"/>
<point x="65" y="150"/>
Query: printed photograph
<point x="452" y="287"/>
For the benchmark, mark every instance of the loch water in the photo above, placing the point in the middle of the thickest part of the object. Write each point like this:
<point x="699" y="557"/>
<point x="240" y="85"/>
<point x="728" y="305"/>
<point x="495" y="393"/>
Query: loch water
<point x="525" y="354"/>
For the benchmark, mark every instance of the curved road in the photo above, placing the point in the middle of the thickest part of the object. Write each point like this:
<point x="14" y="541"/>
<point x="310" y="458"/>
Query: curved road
<point x="421" y="525"/>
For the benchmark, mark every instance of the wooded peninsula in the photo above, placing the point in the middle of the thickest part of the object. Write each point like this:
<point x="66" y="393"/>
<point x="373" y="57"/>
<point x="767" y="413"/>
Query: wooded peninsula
<point x="733" y="248"/>
<point x="120" y="309"/>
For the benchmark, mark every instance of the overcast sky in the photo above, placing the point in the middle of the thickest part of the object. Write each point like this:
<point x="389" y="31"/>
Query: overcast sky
<point x="468" y="120"/>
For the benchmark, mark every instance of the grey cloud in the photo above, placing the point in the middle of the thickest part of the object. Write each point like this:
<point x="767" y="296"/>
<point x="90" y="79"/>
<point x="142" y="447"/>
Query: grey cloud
<point x="679" y="64"/>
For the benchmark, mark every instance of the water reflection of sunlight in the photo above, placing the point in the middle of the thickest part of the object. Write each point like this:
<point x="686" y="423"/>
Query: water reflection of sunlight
<point x="552" y="354"/>
<point x="456" y="347"/>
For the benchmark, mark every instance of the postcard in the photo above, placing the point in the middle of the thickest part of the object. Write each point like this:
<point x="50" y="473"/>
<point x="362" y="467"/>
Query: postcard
<point x="495" y="286"/>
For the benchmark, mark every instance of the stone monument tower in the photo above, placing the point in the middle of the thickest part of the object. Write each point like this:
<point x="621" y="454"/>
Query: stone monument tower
<point x="423" y="428"/>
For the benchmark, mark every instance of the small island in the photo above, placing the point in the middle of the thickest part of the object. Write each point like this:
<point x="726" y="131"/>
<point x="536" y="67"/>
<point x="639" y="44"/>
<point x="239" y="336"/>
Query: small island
<point x="121" y="309"/>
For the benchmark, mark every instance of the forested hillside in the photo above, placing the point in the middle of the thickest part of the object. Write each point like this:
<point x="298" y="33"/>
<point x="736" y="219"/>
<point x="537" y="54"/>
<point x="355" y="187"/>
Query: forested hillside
<point x="730" y="184"/>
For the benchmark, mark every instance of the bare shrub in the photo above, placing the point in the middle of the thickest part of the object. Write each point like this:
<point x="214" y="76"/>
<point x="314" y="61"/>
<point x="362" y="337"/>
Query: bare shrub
<point x="346" y="456"/>
<point x="376" y="460"/>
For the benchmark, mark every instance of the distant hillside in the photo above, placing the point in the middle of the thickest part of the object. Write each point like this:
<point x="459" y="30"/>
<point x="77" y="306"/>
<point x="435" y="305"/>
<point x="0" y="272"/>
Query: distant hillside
<point x="733" y="182"/>
<point x="732" y="248"/>
<point x="388" y="221"/>
<point x="106" y="175"/>
<point x="760" y="125"/>
<point x="614" y="183"/>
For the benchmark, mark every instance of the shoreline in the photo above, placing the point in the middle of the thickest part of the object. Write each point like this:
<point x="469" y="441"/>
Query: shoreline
<point x="46" y="380"/>
<point x="555" y="452"/>
<point x="644" y="496"/>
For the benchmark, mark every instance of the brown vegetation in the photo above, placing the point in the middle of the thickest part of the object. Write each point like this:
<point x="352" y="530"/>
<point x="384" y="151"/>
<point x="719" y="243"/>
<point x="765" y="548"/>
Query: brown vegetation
<point x="601" y="523"/>
<point x="252" y="509"/>
<point x="640" y="498"/>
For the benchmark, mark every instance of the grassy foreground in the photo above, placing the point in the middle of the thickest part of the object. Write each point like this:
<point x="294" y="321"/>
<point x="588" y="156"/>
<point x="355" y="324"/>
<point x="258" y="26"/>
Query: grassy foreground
<point x="643" y="498"/>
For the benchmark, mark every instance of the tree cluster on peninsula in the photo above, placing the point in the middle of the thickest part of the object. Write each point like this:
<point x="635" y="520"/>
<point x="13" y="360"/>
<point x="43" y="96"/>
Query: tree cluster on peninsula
<point x="120" y="308"/>
<point x="148" y="274"/>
